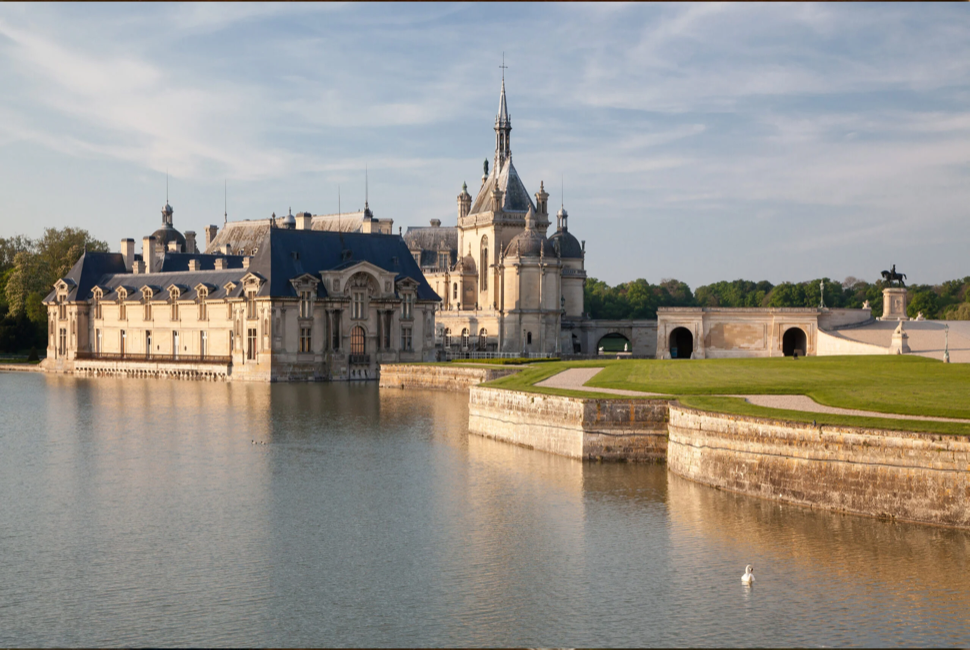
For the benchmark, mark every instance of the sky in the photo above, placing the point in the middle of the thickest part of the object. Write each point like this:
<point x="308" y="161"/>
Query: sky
<point x="701" y="142"/>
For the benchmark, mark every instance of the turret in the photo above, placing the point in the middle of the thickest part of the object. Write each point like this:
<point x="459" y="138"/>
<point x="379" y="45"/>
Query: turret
<point x="542" y="199"/>
<point x="464" y="201"/>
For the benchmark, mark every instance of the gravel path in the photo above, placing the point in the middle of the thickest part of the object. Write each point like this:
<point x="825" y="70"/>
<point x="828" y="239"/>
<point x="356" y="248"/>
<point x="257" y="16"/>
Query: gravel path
<point x="576" y="378"/>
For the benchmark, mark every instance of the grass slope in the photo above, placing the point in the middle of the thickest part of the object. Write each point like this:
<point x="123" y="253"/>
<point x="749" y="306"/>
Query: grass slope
<point x="905" y="385"/>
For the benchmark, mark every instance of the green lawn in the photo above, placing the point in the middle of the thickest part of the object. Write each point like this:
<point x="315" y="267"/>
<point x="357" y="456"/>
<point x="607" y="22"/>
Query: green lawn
<point x="907" y="385"/>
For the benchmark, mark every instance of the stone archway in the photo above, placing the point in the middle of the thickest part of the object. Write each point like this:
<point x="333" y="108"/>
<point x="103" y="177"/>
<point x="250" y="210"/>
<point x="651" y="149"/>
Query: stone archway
<point x="614" y="342"/>
<point x="681" y="343"/>
<point x="794" y="339"/>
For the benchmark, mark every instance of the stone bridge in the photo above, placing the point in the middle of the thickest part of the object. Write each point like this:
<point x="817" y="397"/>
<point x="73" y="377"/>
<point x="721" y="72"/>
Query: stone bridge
<point x="586" y="337"/>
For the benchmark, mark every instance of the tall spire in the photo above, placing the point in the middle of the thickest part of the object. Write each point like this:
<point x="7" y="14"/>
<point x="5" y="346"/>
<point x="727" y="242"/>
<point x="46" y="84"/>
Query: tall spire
<point x="503" y="127"/>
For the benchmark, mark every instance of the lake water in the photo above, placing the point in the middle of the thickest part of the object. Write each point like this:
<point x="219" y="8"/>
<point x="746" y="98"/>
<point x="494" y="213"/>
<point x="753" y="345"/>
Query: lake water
<point x="138" y="512"/>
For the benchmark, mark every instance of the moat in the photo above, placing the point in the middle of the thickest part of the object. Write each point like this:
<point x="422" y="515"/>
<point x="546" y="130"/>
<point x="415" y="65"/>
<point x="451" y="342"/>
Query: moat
<point x="140" y="512"/>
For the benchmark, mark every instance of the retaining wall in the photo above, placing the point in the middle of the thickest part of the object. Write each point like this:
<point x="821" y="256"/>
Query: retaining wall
<point x="145" y="369"/>
<point x="915" y="477"/>
<point x="831" y="344"/>
<point x="590" y="429"/>
<point x="402" y="375"/>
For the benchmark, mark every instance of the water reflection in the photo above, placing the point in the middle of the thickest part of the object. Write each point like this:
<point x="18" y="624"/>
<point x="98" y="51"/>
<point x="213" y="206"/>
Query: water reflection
<point x="138" y="512"/>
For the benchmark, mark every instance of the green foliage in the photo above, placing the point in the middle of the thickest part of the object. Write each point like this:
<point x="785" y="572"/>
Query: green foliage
<point x="634" y="300"/>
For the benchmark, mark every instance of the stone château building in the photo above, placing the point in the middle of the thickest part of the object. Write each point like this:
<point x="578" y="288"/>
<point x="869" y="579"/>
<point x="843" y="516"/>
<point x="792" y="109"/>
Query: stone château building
<point x="292" y="304"/>
<point x="505" y="286"/>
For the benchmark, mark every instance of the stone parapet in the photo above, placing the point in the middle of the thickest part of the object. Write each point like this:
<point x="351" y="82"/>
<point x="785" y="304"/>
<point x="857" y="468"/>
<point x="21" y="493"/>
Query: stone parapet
<point x="589" y="429"/>
<point x="916" y="477"/>
<point x="153" y="369"/>
<point x="400" y="375"/>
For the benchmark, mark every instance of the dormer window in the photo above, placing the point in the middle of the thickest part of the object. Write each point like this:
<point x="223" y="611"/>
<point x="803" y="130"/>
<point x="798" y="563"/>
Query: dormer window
<point x="251" y="305"/>
<point x="174" y="300"/>
<point x="202" y="295"/>
<point x="62" y="307"/>
<point x="122" y="311"/>
<point x="97" y="304"/>
<point x="306" y="304"/>
<point x="443" y="260"/>
<point x="148" y="306"/>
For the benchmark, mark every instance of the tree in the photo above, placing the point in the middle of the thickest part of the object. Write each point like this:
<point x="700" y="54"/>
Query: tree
<point x="58" y="250"/>
<point x="25" y="277"/>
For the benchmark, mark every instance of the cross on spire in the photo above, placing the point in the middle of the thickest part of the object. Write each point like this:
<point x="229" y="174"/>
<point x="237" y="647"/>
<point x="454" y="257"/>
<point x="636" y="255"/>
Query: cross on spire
<point x="503" y="66"/>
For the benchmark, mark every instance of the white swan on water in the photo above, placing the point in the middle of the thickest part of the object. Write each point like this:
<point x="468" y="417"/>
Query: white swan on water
<point x="748" y="577"/>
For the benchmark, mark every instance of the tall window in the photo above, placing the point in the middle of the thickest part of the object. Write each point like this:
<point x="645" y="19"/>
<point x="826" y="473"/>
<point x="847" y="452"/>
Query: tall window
<point x="62" y="342"/>
<point x="358" y="344"/>
<point x="175" y="344"/>
<point x="201" y="298"/>
<point x="528" y="338"/>
<point x="148" y="343"/>
<point x="97" y="341"/>
<point x="97" y="306"/>
<point x="483" y="265"/>
<point x="61" y="308"/>
<point x="454" y="291"/>
<point x="175" y="307"/>
<point x="408" y="306"/>
<point x="357" y="305"/>
<point x="482" y="339"/>
<point x="464" y="339"/>
<point x="251" y="305"/>
<point x="251" y="343"/>
<point x="306" y="304"/>
<point x="386" y="330"/>
<point x="232" y="341"/>
<point x="124" y="341"/>
<point x="335" y="331"/>
<point x="203" y="344"/>
<point x="122" y="308"/>
<point x="406" y="344"/>
<point x="442" y="260"/>
<point x="447" y="337"/>
<point x="305" y="340"/>
<point x="148" y="308"/>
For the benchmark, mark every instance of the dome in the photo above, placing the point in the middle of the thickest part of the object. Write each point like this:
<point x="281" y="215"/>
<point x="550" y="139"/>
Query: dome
<point x="466" y="265"/>
<point x="568" y="245"/>
<point x="289" y="221"/>
<point x="530" y="242"/>
<point x="166" y="234"/>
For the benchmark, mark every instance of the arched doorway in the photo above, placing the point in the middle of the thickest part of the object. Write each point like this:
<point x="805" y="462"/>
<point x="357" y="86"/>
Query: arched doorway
<point x="794" y="339"/>
<point x="681" y="343"/>
<point x="613" y="343"/>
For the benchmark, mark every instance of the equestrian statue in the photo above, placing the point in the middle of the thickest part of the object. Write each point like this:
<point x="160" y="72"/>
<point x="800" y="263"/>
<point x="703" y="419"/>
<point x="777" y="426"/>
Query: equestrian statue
<point x="891" y="276"/>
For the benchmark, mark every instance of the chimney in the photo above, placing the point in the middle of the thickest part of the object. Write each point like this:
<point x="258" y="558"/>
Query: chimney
<point x="304" y="221"/>
<point x="138" y="267"/>
<point x="193" y="265"/>
<point x="148" y="253"/>
<point x="220" y="264"/>
<point x="210" y="234"/>
<point x="246" y="261"/>
<point x="190" y="242"/>
<point x="128" y="252"/>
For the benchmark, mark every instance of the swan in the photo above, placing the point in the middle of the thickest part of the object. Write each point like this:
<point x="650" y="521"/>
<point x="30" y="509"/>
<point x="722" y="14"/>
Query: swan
<point x="748" y="577"/>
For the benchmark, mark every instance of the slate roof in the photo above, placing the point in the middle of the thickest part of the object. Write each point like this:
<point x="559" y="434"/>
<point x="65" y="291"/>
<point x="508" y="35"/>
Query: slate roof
<point x="567" y="245"/>
<point x="240" y="236"/>
<point x="431" y="239"/>
<point x="516" y="197"/>
<point x="274" y="261"/>
<point x="343" y="222"/>
<point x="88" y="271"/>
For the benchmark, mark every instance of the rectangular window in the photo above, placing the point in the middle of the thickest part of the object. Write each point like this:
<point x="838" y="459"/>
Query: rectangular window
<point x="148" y="311"/>
<point x="148" y="343"/>
<point x="251" y="305"/>
<point x="335" y="331"/>
<point x="62" y="342"/>
<point x="306" y="304"/>
<point x="175" y="310"/>
<point x="203" y="344"/>
<point x="97" y="307"/>
<point x="442" y="260"/>
<point x="305" y="340"/>
<point x="386" y="331"/>
<point x="97" y="341"/>
<point x="406" y="339"/>
<point x="122" y="310"/>
<point x="203" y="312"/>
<point x="251" y="343"/>
<point x="232" y="341"/>
<point x="61" y="309"/>
<point x="175" y="344"/>
<point x="357" y="306"/>
<point x="124" y="341"/>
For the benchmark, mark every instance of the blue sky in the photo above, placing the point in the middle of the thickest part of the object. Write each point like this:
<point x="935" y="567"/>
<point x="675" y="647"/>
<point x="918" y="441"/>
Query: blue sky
<point x="700" y="142"/>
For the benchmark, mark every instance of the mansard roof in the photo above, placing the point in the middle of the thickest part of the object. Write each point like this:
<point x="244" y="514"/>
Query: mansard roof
<point x="431" y="238"/>
<point x="175" y="262"/>
<point x="516" y="198"/>
<point x="87" y="272"/>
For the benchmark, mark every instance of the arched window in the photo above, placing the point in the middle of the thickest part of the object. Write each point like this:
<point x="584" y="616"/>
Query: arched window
<point x="482" y="339"/>
<point x="483" y="265"/>
<point x="464" y="339"/>
<point x="358" y="343"/>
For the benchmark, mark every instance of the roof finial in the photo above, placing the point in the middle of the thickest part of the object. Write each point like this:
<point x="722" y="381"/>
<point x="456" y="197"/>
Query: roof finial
<point x="366" y="188"/>
<point x="503" y="66"/>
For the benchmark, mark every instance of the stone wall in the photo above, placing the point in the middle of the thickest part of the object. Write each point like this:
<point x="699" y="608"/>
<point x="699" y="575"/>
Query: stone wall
<point x="833" y="344"/>
<point x="915" y="477"/>
<point x="590" y="429"/>
<point x="152" y="369"/>
<point x="401" y="375"/>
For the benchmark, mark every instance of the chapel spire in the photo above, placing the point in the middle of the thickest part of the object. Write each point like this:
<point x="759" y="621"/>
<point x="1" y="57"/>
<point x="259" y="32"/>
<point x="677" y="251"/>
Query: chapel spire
<point x="503" y="128"/>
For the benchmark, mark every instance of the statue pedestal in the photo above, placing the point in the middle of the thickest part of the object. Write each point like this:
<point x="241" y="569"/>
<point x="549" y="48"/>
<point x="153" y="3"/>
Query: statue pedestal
<point x="900" y="343"/>
<point x="894" y="303"/>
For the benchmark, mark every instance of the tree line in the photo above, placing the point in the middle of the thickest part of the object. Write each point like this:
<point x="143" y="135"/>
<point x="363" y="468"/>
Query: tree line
<point x="28" y="270"/>
<point x="639" y="299"/>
